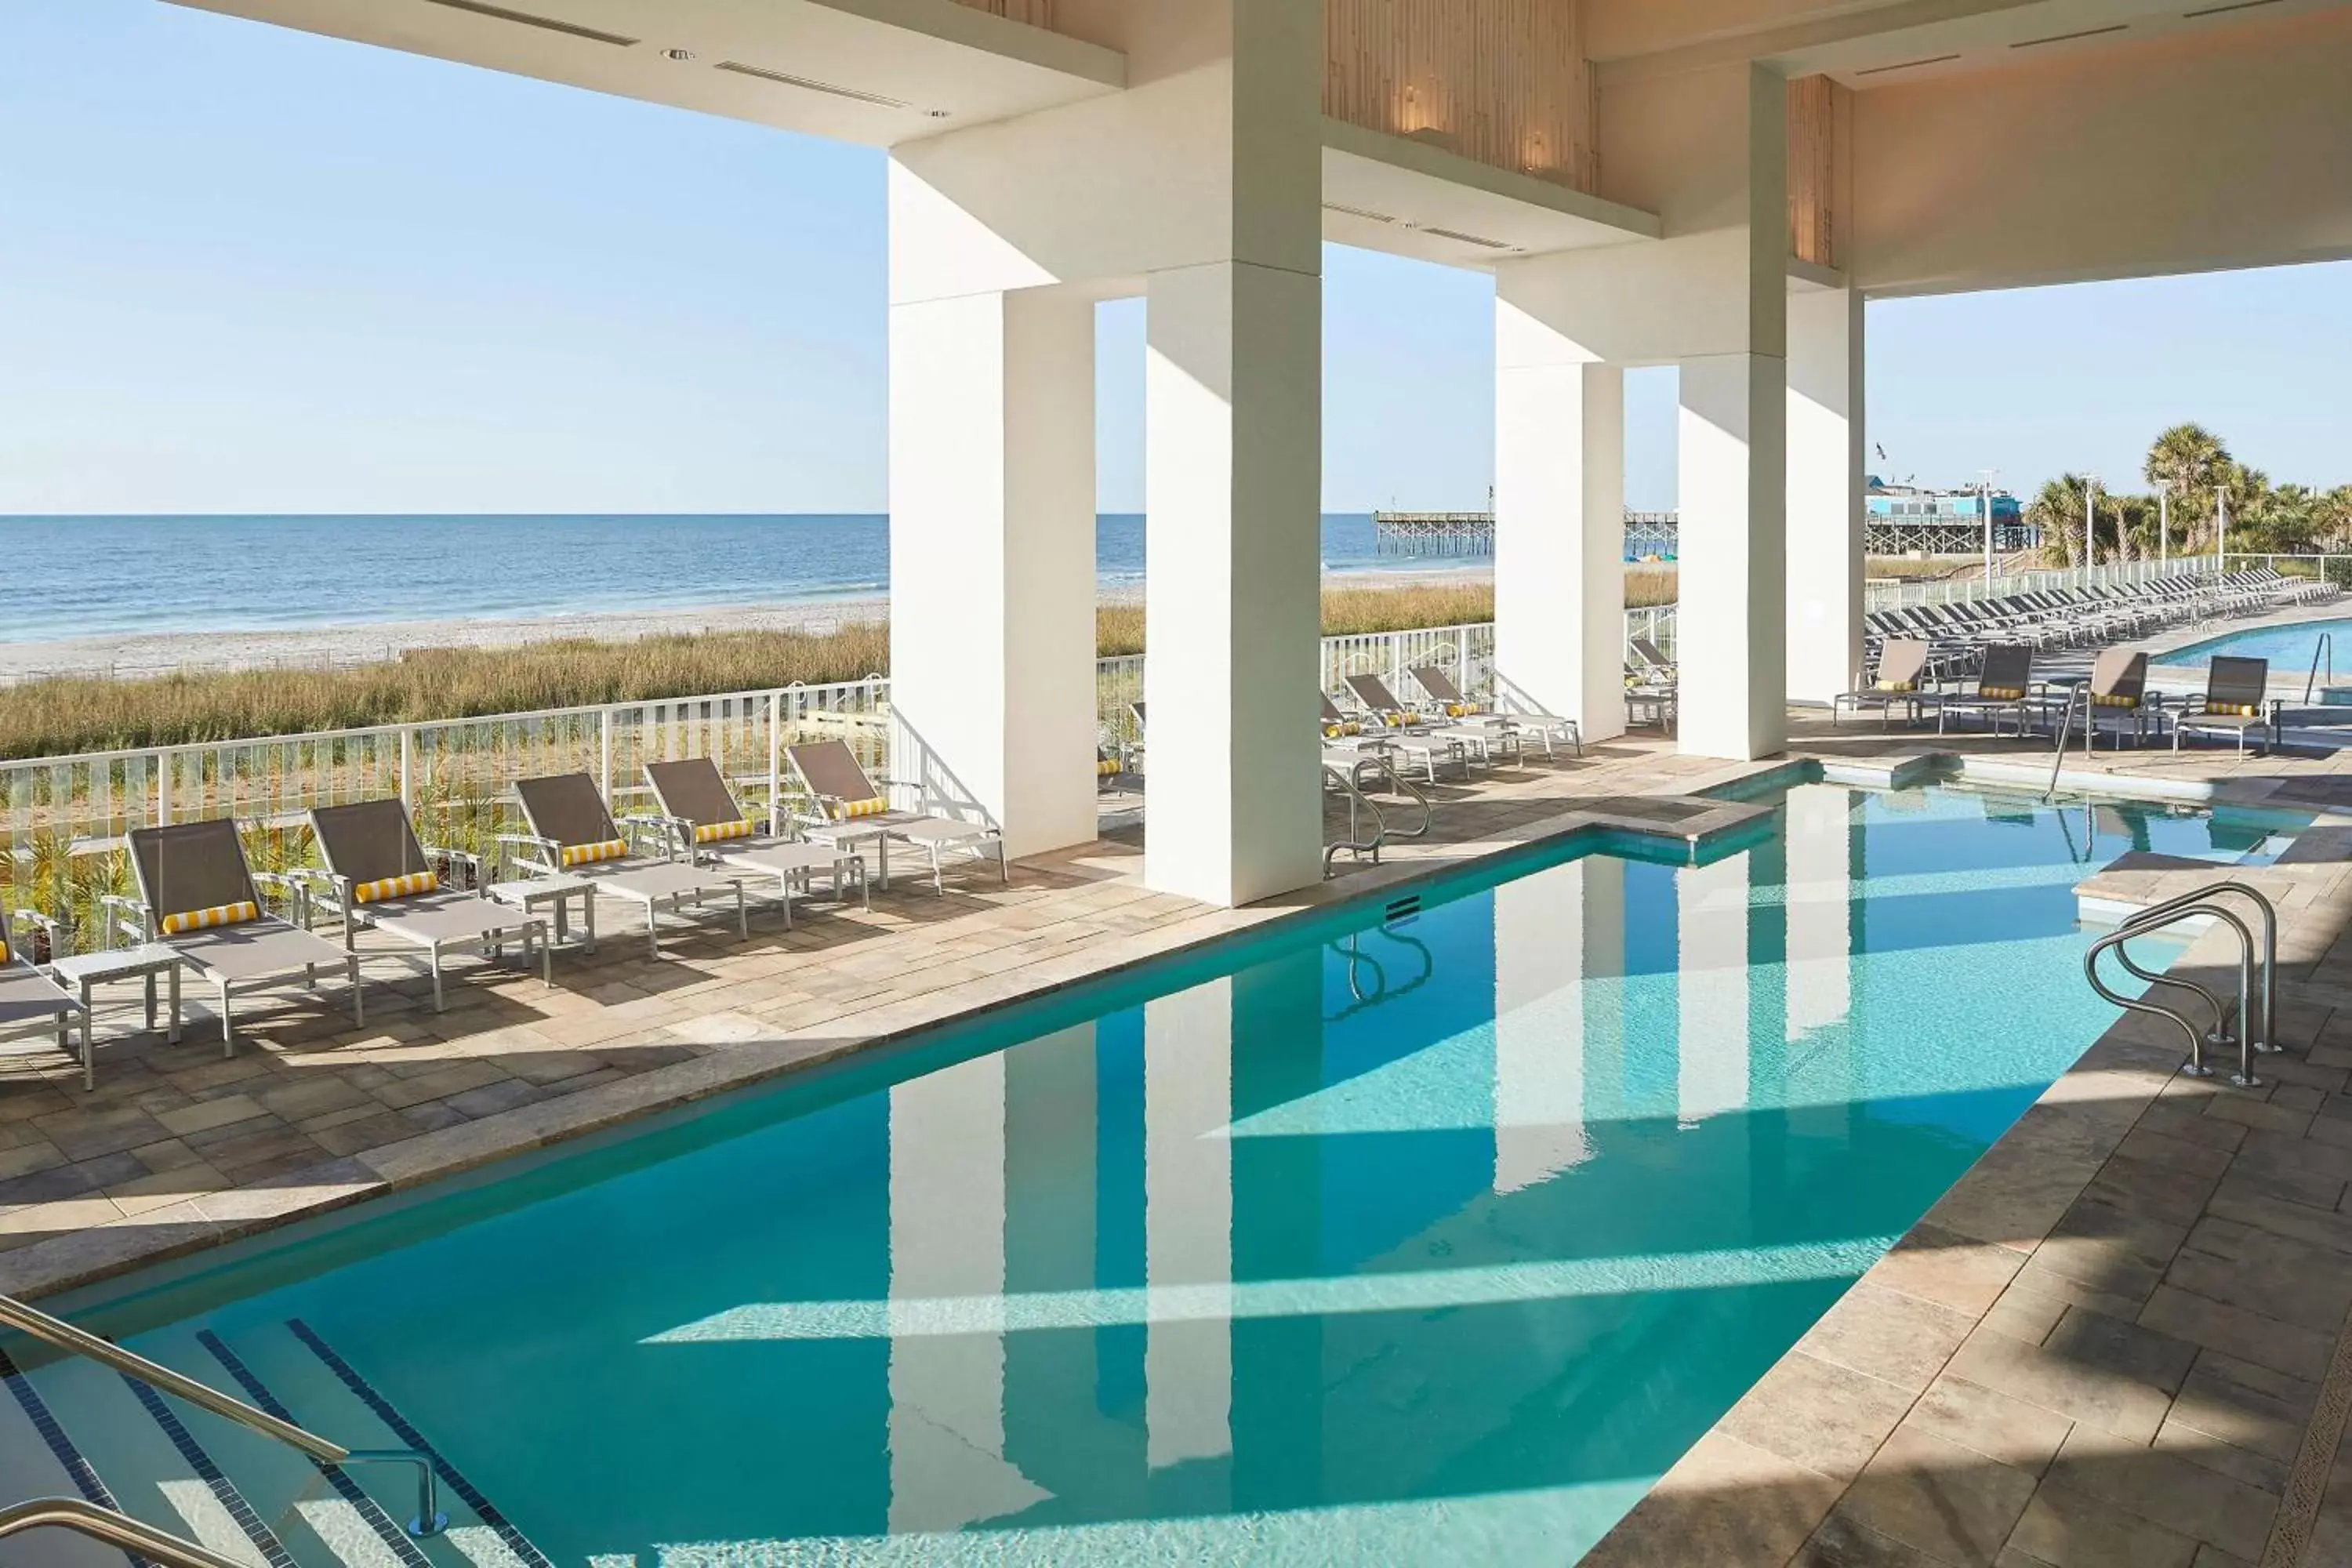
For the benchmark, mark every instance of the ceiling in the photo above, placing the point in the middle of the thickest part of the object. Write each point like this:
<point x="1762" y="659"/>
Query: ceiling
<point x="872" y="71"/>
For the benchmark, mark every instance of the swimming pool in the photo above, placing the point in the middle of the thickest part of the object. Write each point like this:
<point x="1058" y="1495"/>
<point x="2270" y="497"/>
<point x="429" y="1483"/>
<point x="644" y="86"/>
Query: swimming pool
<point x="2289" y="648"/>
<point x="1430" y="1239"/>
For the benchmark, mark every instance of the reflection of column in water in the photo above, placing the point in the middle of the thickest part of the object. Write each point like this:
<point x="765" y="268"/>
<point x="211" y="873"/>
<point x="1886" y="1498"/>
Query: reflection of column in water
<point x="1054" y="1430"/>
<point x="1539" y="999"/>
<point x="946" y="1239"/>
<point x="1604" y="986"/>
<point x="1188" y="1219"/>
<point x="1711" y="990"/>
<point x="1819" y="900"/>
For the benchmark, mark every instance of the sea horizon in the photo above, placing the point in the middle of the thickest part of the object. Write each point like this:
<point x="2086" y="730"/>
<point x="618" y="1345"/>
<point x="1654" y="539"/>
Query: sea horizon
<point x="139" y="575"/>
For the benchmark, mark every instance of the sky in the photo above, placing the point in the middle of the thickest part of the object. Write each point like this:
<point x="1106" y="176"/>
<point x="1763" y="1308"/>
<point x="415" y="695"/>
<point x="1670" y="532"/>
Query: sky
<point x="244" y="270"/>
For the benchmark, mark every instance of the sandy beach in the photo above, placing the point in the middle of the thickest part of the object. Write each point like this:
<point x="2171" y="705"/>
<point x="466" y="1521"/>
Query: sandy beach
<point x="136" y="654"/>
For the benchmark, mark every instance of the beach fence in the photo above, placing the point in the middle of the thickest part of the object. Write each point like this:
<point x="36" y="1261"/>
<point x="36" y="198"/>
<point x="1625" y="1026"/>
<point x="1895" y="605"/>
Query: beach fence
<point x="64" y="821"/>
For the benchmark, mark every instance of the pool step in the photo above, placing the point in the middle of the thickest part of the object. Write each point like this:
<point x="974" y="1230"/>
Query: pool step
<point x="70" y="1427"/>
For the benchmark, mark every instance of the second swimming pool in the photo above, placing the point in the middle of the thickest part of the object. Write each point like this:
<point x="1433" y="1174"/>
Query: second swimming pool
<point x="1428" y="1239"/>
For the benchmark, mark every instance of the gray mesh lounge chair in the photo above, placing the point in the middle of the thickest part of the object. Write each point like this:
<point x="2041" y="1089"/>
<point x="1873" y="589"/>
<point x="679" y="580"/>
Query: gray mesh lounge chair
<point x="1652" y="666"/>
<point x="2004" y="684"/>
<point x="2118" y="691"/>
<point x="1902" y="672"/>
<point x="1460" y="710"/>
<point x="1474" y="740"/>
<point x="382" y="878"/>
<point x="204" y="902"/>
<point x="698" y="808"/>
<point x="572" y="834"/>
<point x="1365" y="736"/>
<point x="848" y="806"/>
<point x="2236" y="699"/>
<point x="28" y="996"/>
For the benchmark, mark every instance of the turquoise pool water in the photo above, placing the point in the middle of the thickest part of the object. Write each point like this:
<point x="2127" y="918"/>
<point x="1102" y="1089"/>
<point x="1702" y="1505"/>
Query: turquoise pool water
<point x="2289" y="648"/>
<point x="1431" y="1241"/>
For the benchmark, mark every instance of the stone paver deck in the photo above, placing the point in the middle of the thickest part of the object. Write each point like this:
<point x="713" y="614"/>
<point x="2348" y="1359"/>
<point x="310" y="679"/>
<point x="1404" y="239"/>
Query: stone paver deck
<point x="2120" y="1339"/>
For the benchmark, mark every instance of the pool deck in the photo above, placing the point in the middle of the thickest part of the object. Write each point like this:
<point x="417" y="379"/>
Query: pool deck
<point x="2122" y="1338"/>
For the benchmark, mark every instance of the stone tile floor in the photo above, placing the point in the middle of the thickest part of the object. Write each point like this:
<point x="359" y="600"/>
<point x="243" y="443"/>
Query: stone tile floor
<point x="2120" y="1339"/>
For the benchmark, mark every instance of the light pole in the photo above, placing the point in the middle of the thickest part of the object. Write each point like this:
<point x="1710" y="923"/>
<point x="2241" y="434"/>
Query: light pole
<point x="2163" y="528"/>
<point x="1984" y="491"/>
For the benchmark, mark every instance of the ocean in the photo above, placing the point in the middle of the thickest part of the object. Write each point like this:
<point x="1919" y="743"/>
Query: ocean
<point x="100" y="576"/>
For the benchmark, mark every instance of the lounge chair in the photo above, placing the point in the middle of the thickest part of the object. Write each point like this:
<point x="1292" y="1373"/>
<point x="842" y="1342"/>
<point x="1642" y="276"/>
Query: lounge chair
<point x="1902" y="672"/>
<point x="30" y="996"/>
<point x="2004" y="684"/>
<point x="708" y="823"/>
<point x="846" y="806"/>
<point x="1448" y="696"/>
<point x="382" y="879"/>
<point x="1654" y="668"/>
<point x="1479" y="740"/>
<point x="2236" y="699"/>
<point x="2118" y="690"/>
<point x="1344" y="735"/>
<point x="572" y="834"/>
<point x="201" y="901"/>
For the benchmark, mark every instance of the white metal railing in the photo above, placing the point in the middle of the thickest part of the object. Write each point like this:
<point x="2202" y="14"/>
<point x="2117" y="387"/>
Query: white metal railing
<point x="2336" y="569"/>
<point x="63" y="818"/>
<point x="1887" y="595"/>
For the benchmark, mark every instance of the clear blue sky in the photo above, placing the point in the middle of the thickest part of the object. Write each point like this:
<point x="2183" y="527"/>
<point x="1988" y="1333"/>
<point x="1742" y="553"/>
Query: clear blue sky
<point x="245" y="270"/>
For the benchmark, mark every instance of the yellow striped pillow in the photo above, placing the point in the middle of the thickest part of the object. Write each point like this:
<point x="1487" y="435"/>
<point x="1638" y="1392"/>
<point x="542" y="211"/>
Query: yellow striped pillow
<point x="849" y="808"/>
<point x="219" y="915"/>
<point x="2113" y="699"/>
<point x="1897" y="687"/>
<point x="589" y="854"/>
<point x="1457" y="711"/>
<point x="2236" y="709"/>
<point x="1399" y="720"/>
<point x="1107" y="767"/>
<point x="2001" y="693"/>
<point x="399" y="887"/>
<point x="712" y="832"/>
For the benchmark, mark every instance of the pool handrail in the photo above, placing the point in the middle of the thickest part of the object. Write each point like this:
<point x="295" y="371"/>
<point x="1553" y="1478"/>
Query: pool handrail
<point x="135" y="1536"/>
<point x="2267" y="1040"/>
<point x="30" y="1320"/>
<point x="2169" y="913"/>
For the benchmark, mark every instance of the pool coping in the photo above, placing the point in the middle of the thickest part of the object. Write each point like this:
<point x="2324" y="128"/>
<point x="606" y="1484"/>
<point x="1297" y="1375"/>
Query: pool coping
<point x="77" y="1260"/>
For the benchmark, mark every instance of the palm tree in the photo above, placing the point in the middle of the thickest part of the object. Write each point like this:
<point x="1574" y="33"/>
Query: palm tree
<point x="2191" y="461"/>
<point x="2057" y="510"/>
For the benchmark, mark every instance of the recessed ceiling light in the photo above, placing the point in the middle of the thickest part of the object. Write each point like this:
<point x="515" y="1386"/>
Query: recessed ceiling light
<point x="680" y="56"/>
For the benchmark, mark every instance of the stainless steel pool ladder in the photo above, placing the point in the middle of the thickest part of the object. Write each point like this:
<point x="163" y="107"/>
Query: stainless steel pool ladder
<point x="1360" y="804"/>
<point x="2066" y="727"/>
<point x="2256" y="1034"/>
<point x="429" y="1521"/>
<point x="2326" y="644"/>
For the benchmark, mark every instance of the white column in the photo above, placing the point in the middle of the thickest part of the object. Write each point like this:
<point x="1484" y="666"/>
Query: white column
<point x="946" y="1239"/>
<point x="1233" y="480"/>
<point x="1731" y="627"/>
<point x="1188" y="1219"/>
<point x="1711" y="992"/>
<point x="1560" y="505"/>
<point x="993" y="551"/>
<point x="1825" y="493"/>
<point x="1539" y="1027"/>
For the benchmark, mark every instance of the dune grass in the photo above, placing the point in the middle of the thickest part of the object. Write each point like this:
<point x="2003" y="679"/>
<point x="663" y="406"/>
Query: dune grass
<point x="61" y="715"/>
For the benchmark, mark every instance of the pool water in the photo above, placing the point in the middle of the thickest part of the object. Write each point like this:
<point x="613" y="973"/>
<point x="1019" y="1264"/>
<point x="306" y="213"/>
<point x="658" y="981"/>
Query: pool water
<point x="2290" y="649"/>
<point x="1434" y="1241"/>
